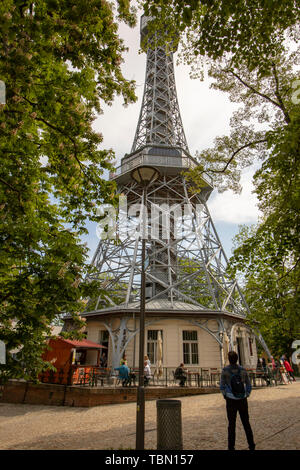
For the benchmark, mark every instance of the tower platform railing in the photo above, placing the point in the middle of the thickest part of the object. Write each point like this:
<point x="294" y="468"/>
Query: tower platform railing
<point x="181" y="163"/>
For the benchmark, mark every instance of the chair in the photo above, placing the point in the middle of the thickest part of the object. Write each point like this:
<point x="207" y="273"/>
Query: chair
<point x="82" y="376"/>
<point x="214" y="376"/>
<point x="100" y="374"/>
<point x="147" y="379"/>
<point x="205" y="376"/>
<point x="122" y="380"/>
<point x="132" y="377"/>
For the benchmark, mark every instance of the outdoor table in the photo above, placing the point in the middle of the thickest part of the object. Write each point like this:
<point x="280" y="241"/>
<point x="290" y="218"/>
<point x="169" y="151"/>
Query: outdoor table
<point x="100" y="374"/>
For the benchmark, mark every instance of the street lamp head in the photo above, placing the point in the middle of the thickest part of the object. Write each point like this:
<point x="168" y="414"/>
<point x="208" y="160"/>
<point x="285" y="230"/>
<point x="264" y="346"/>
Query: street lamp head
<point x="145" y="175"/>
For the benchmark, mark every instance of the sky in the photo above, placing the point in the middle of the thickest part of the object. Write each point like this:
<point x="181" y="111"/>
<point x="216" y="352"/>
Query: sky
<point x="205" y="115"/>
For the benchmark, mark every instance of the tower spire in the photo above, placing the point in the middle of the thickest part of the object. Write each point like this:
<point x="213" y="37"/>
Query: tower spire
<point x="159" y="121"/>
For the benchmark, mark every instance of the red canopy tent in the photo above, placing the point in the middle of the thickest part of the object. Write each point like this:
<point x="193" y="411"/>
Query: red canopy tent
<point x="69" y="357"/>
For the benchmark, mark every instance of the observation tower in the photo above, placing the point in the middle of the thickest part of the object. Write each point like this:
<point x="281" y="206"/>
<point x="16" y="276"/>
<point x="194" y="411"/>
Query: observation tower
<point x="192" y="304"/>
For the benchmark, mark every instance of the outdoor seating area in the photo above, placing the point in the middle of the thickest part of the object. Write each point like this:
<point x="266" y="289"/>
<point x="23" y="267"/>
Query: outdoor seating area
<point x="95" y="376"/>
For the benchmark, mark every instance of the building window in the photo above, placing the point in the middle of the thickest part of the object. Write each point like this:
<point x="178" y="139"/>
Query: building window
<point x="190" y="347"/>
<point x="251" y="346"/>
<point x="152" y="340"/>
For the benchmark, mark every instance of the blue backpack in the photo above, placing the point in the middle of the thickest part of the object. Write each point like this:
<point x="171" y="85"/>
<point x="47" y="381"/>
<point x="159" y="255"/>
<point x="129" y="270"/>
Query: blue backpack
<point x="237" y="386"/>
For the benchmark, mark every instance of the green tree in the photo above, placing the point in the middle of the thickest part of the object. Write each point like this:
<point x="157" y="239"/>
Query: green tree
<point x="266" y="109"/>
<point x="60" y="61"/>
<point x="270" y="254"/>
<point x="251" y="31"/>
<point x="271" y="288"/>
<point x="266" y="128"/>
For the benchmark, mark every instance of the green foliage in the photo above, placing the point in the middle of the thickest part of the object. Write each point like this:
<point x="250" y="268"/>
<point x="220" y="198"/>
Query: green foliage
<point x="266" y="107"/>
<point x="269" y="254"/>
<point x="60" y="61"/>
<point x="271" y="288"/>
<point x="252" y="31"/>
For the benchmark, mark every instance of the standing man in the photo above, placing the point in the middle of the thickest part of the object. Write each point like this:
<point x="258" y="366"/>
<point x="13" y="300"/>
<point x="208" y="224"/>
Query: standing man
<point x="235" y="387"/>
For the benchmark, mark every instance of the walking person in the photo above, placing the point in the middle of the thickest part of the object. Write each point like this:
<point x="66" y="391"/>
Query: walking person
<point x="236" y="388"/>
<point x="289" y="369"/>
<point x="103" y="360"/>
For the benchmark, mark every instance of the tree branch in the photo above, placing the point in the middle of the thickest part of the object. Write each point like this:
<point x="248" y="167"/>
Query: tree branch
<point x="10" y="186"/>
<point x="235" y="153"/>
<point x="82" y="167"/>
<point x="288" y="272"/>
<point x="263" y="95"/>
<point x="278" y="95"/>
<point x="15" y="190"/>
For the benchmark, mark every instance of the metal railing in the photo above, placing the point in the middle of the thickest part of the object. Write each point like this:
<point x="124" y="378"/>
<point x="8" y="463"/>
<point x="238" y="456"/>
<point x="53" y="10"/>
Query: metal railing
<point x="183" y="161"/>
<point x="165" y="377"/>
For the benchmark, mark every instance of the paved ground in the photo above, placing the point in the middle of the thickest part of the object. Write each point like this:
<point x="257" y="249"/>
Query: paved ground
<point x="274" y="415"/>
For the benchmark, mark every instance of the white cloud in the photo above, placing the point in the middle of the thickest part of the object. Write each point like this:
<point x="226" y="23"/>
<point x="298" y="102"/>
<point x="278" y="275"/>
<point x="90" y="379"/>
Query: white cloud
<point x="236" y="208"/>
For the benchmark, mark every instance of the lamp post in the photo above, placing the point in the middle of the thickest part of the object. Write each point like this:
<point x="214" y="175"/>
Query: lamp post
<point x="144" y="175"/>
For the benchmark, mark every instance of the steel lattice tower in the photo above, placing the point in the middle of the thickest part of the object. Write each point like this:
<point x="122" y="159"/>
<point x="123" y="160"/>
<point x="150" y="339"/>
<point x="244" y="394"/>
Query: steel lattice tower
<point x="160" y="120"/>
<point x="186" y="267"/>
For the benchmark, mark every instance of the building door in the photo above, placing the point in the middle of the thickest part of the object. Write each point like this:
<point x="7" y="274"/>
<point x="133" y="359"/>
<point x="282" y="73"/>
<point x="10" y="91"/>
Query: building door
<point x="104" y="340"/>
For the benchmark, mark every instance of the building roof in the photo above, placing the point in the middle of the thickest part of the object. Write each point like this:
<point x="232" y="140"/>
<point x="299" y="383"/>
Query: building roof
<point x="82" y="344"/>
<point x="162" y="307"/>
<point x="164" y="304"/>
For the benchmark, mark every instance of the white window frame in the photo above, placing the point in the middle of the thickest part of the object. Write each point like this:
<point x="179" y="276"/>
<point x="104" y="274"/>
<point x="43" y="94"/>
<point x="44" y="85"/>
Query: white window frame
<point x="153" y="355"/>
<point x="190" y="353"/>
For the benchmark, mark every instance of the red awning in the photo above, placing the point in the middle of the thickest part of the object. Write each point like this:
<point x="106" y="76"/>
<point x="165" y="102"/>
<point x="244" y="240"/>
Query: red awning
<point x="85" y="344"/>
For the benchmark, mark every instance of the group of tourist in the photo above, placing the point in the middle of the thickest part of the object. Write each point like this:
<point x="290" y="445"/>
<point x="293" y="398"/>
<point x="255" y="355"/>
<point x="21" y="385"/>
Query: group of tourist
<point x="127" y="376"/>
<point x="235" y="387"/>
<point x="180" y="374"/>
<point x="275" y="367"/>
